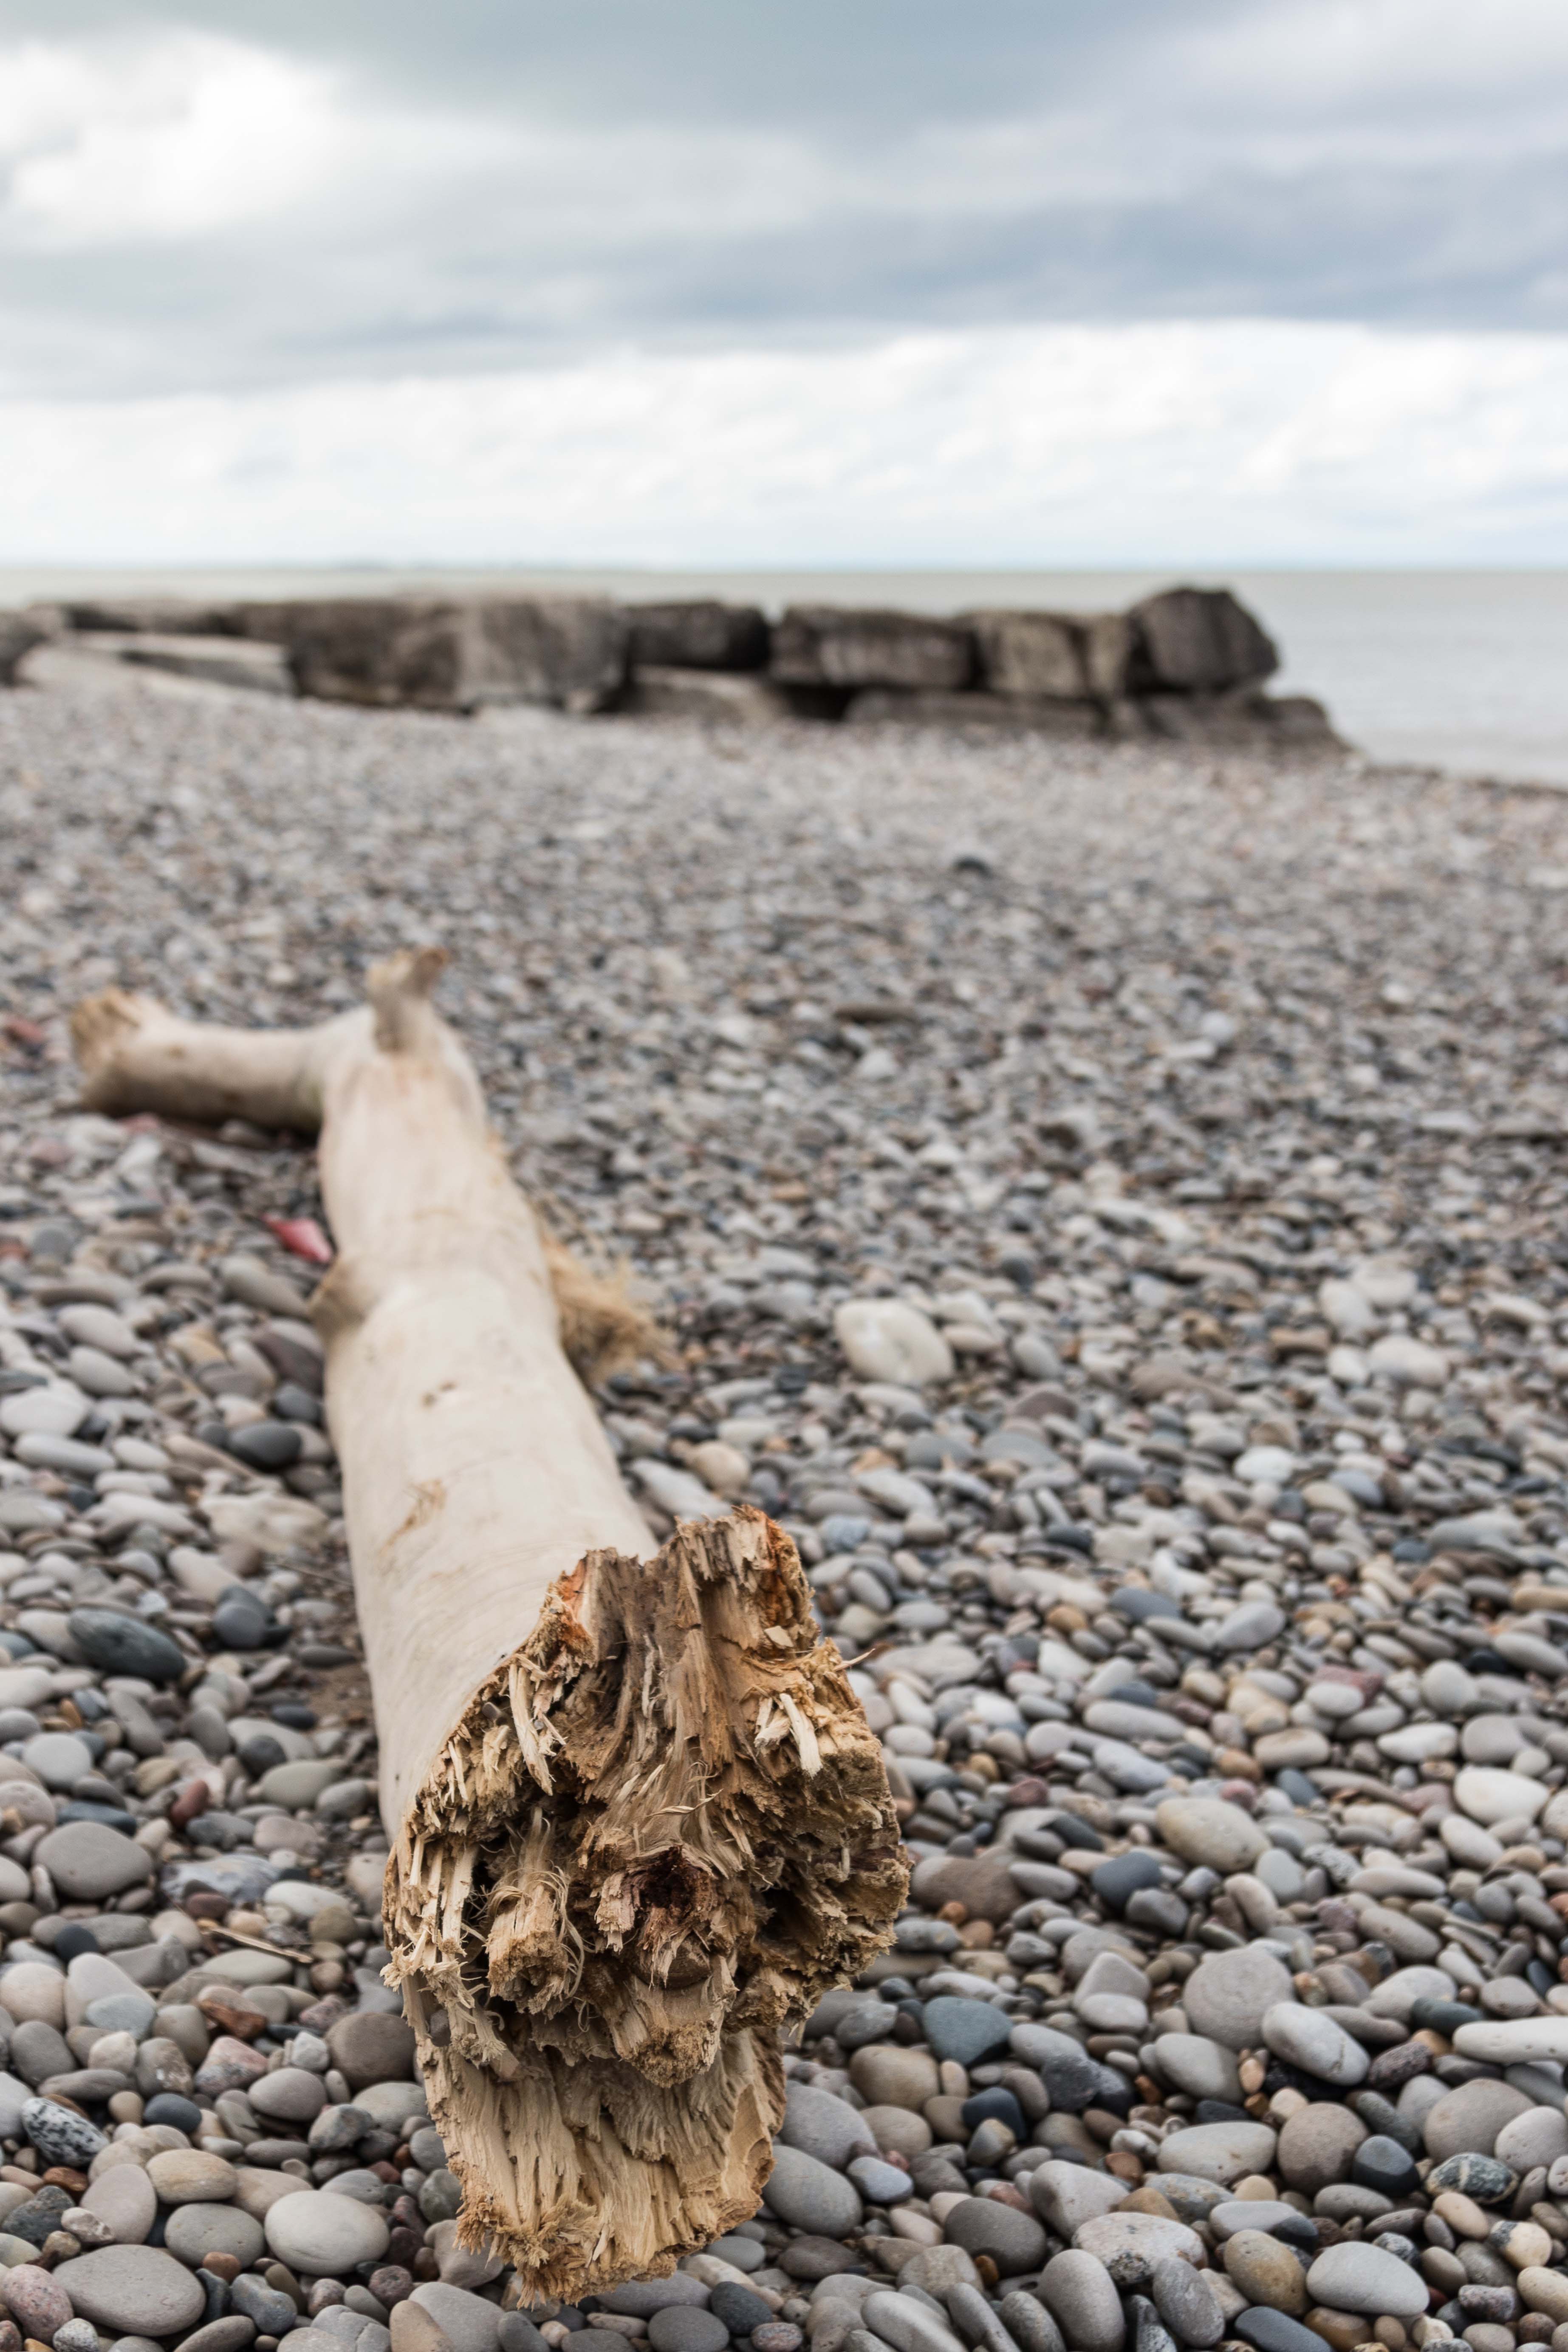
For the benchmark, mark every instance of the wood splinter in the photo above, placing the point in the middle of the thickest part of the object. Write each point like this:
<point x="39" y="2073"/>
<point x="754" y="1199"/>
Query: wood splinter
<point x="638" y="1821"/>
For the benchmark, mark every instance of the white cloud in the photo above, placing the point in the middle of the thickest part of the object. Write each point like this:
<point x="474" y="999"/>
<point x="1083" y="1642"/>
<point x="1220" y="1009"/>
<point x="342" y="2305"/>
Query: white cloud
<point x="179" y="136"/>
<point x="1250" y="441"/>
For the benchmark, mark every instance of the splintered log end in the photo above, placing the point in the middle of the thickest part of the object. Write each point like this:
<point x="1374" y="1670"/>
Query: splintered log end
<point x="101" y="1028"/>
<point x="660" y="1832"/>
<point x="602" y="1328"/>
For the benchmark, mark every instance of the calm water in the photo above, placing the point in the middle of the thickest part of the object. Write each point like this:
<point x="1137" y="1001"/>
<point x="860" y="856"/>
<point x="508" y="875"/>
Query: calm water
<point x="1465" y="670"/>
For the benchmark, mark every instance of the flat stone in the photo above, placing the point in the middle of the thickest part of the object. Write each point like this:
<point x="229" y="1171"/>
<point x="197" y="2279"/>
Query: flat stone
<point x="1224" y="2153"/>
<point x="118" y="1644"/>
<point x="1066" y="2195"/>
<point x="368" y="2047"/>
<point x="125" y="2200"/>
<point x="1266" y="2270"/>
<point x="908" y="2325"/>
<point x="88" y="1862"/>
<point x="968" y="2032"/>
<point x="1186" y="2302"/>
<point x="1466" y="2120"/>
<point x="1077" y="2292"/>
<point x="1316" y="2145"/>
<point x="1228" y="1994"/>
<point x="1539" y="2136"/>
<point x="824" y="2126"/>
<point x="394" y="2105"/>
<point x="1310" y="2039"/>
<point x="195" y="2232"/>
<point x="1513" y="2042"/>
<point x="289" y="2094"/>
<point x="299" y="1784"/>
<point x="884" y="1339"/>
<point x="36" y="2300"/>
<point x="683" y="2327"/>
<point x="1274" y="2331"/>
<point x="1359" y="2277"/>
<point x="468" y="2321"/>
<point x="886" y="2074"/>
<point x="1487" y="1794"/>
<point x="1131" y="2244"/>
<point x="981" y="2225"/>
<point x="133" y="2290"/>
<point x="1481" y="2179"/>
<point x="189" y="2176"/>
<point x="1203" y="2068"/>
<point x="982" y="1883"/>
<point x="59" y="2135"/>
<point x="1208" y="1830"/>
<point x="640" y="2298"/>
<point x="810" y="2196"/>
<point x="51" y="1409"/>
<point x="1385" y="2165"/>
<point x="320" y="2235"/>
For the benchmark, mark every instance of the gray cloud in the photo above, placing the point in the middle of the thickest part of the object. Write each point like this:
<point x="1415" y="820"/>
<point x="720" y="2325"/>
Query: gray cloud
<point x="486" y="187"/>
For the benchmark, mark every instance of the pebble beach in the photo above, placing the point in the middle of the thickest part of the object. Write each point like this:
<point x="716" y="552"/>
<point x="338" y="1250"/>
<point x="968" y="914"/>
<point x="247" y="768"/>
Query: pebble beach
<point x="1107" y="1202"/>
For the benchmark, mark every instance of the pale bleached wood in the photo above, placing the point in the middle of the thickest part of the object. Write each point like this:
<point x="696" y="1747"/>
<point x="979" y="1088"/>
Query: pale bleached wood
<point x="639" y="1820"/>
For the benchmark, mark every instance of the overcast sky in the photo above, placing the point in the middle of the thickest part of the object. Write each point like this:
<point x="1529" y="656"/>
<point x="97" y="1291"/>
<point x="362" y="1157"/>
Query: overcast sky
<point x="723" y="280"/>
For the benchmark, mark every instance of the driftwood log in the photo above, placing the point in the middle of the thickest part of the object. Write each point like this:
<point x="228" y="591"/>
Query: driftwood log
<point x="638" y="1821"/>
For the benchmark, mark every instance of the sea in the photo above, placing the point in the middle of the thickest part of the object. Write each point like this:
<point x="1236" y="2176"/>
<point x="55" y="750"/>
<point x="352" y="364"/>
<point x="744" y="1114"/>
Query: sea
<point x="1465" y="671"/>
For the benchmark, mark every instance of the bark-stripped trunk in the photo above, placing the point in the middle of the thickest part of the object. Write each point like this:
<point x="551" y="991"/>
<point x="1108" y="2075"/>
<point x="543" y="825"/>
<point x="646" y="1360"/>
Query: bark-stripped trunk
<point x="638" y="1819"/>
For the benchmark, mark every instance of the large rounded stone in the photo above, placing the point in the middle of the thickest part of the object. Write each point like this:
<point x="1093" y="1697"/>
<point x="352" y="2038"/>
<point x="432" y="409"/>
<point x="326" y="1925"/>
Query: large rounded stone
<point x="322" y="2236"/>
<point x="1310" y="2039"/>
<point x="189" y="2176"/>
<point x="125" y="2200"/>
<point x="1467" y="2121"/>
<point x="1225" y="2153"/>
<point x="1014" y="2242"/>
<point x="1131" y="2244"/>
<point x="1316" y="2145"/>
<point x="36" y="2300"/>
<point x="886" y="1340"/>
<point x="133" y="2291"/>
<point x="1076" y="2290"/>
<point x="1228" y="1994"/>
<point x="372" y="2046"/>
<point x="1266" y="2270"/>
<point x="195" y="2232"/>
<point x="810" y="2196"/>
<point x="290" y="2094"/>
<point x="968" y="2032"/>
<point x="1539" y="2136"/>
<point x="89" y="1861"/>
<point x="118" y="1644"/>
<point x="681" y="2327"/>
<point x="1206" y="1830"/>
<point x="468" y="2322"/>
<point x="887" y="2074"/>
<point x="981" y="1882"/>
<point x="825" y="2127"/>
<point x="1352" y="2277"/>
<point x="32" y="1990"/>
<point x="1203" y="2069"/>
<point x="1186" y="2302"/>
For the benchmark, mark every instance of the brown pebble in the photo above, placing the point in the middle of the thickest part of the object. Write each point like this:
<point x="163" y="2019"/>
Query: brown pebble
<point x="226" y="2267"/>
<point x="1341" y="2330"/>
<point x="1149" y="2199"/>
<point x="192" y="1798"/>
